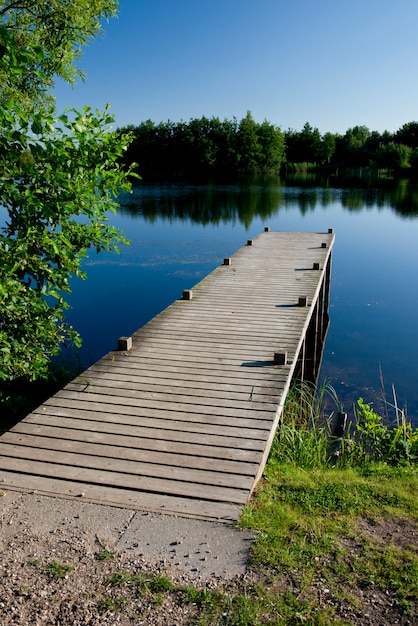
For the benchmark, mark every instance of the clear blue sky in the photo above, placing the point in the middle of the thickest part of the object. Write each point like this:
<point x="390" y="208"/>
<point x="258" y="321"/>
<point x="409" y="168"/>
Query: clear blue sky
<point x="332" y="63"/>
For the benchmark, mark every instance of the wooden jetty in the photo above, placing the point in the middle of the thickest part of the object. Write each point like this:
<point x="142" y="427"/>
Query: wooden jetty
<point x="180" y="418"/>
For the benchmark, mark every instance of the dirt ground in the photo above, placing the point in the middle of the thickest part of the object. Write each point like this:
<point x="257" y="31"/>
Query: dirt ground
<point x="39" y="535"/>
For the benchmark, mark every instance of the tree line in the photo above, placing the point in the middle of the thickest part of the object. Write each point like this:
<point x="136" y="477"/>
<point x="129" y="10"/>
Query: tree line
<point x="204" y="146"/>
<point x="212" y="147"/>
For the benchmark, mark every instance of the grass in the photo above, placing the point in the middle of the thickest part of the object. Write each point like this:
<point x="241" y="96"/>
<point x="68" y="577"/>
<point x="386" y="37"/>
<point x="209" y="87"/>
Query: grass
<point x="336" y="537"/>
<point x="104" y="555"/>
<point x="151" y="587"/>
<point x="333" y="521"/>
<point x="58" y="570"/>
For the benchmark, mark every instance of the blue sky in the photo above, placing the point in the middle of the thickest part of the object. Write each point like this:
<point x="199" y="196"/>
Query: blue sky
<point x="332" y="63"/>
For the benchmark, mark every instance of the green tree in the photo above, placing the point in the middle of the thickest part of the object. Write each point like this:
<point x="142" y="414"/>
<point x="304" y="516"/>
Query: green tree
<point x="59" y="175"/>
<point x="42" y="39"/>
<point x="248" y="146"/>
<point x="408" y="135"/>
<point x="305" y="146"/>
<point x="393" y="156"/>
<point x="354" y="146"/>
<point x="271" y="141"/>
<point x="414" y="161"/>
<point x="327" y="147"/>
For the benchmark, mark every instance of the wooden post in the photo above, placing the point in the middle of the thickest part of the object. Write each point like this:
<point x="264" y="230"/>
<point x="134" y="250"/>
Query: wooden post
<point x="303" y="359"/>
<point x="249" y="242"/>
<point x="280" y="358"/>
<point x="227" y="261"/>
<point x="187" y="294"/>
<point x="327" y="279"/>
<point x="125" y="344"/>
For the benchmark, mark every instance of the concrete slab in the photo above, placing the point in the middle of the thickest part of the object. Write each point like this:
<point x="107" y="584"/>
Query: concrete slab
<point x="197" y="548"/>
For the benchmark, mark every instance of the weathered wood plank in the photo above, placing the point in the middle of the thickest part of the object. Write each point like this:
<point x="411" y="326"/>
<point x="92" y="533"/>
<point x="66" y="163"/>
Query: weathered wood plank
<point x="85" y="456"/>
<point x="129" y="481"/>
<point x="98" y="382"/>
<point x="182" y="423"/>
<point x="236" y="432"/>
<point x="121" y="497"/>
<point x="143" y="432"/>
<point x="251" y="411"/>
<point x="119" y="414"/>
<point x="133" y="363"/>
<point x="63" y="441"/>
<point x="261" y="403"/>
<point x="188" y="378"/>
<point x="162" y="445"/>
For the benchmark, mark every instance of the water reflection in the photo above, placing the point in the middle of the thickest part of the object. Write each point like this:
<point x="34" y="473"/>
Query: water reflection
<point x="212" y="204"/>
<point x="203" y="204"/>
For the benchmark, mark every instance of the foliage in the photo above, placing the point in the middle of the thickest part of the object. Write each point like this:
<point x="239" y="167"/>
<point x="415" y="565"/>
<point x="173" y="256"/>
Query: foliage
<point x="206" y="147"/>
<point x="42" y="39"/>
<point x="320" y="529"/>
<point x="59" y="176"/>
<point x="304" y="437"/>
<point x="408" y="135"/>
<point x="371" y="440"/>
<point x="301" y="439"/>
<point x="393" y="156"/>
<point x="306" y="146"/>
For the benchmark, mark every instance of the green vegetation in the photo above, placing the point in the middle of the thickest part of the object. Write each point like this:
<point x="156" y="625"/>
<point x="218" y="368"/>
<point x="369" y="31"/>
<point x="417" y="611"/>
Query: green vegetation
<point x="205" y="148"/>
<point x="43" y="39"/>
<point x="104" y="554"/>
<point x="150" y="587"/>
<point x="59" y="176"/>
<point x="58" y="570"/>
<point x="336" y="539"/>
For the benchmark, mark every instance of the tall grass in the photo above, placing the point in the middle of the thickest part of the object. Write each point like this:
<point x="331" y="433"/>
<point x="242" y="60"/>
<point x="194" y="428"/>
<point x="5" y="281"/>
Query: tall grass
<point x="306" y="436"/>
<point x="302" y="437"/>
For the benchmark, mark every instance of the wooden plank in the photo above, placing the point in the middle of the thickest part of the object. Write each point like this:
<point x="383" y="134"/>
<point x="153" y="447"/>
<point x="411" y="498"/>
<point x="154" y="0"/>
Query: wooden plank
<point x="128" y="481"/>
<point x="264" y="371"/>
<point x="121" y="497"/>
<point x="154" y="457"/>
<point x="171" y="382"/>
<point x="85" y="456"/>
<point x="123" y="413"/>
<point x="98" y="382"/>
<point x="184" y="421"/>
<point x="237" y="432"/>
<point x="139" y="431"/>
<point x="162" y="445"/>
<point x="251" y="411"/>
<point x="128" y="396"/>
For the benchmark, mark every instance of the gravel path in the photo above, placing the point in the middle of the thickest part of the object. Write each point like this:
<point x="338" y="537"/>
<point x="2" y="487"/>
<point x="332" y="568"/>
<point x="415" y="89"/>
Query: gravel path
<point x="37" y="532"/>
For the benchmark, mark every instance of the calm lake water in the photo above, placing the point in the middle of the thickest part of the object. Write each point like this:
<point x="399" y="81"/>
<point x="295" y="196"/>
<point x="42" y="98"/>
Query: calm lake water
<point x="179" y="233"/>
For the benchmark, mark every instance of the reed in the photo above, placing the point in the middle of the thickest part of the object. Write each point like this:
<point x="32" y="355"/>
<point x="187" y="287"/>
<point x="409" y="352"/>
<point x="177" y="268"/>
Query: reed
<point x="305" y="435"/>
